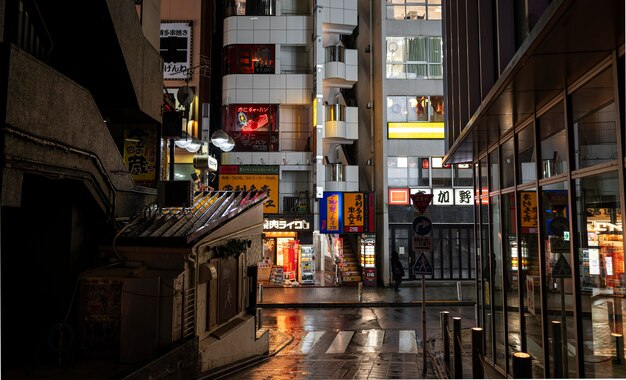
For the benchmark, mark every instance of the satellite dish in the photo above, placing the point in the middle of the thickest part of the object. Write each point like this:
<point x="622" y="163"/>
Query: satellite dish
<point x="185" y="96"/>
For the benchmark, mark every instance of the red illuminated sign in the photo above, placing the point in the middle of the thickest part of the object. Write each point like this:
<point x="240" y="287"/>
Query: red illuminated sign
<point x="398" y="196"/>
<point x="254" y="127"/>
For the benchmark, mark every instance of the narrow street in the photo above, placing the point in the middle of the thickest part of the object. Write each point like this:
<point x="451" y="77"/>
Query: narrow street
<point x="351" y="343"/>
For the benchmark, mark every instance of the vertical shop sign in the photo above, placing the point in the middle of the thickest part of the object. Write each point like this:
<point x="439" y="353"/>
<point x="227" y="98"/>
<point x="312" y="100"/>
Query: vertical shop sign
<point x="140" y="154"/>
<point x="353" y="212"/>
<point x="176" y="49"/>
<point x="529" y="209"/>
<point x="331" y="213"/>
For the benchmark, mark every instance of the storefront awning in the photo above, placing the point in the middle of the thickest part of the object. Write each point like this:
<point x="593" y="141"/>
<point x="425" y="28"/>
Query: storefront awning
<point x="570" y="38"/>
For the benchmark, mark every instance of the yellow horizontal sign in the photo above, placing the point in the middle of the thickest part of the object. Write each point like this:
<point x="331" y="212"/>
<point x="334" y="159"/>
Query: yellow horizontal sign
<point x="415" y="130"/>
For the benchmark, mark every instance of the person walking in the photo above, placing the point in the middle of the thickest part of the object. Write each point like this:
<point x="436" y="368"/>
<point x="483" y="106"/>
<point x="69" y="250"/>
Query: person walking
<point x="396" y="270"/>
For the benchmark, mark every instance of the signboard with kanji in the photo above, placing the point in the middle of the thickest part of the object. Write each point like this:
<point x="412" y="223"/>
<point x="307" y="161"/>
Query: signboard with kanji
<point x="176" y="49"/>
<point x="331" y="213"/>
<point x="243" y="178"/>
<point x="422" y="243"/>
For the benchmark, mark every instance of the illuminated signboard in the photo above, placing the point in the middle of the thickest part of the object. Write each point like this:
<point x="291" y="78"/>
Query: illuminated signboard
<point x="330" y="213"/>
<point x="140" y="154"/>
<point x="254" y="127"/>
<point x="287" y="223"/>
<point x="246" y="178"/>
<point x="398" y="196"/>
<point x="358" y="212"/>
<point x="176" y="49"/>
<point x="415" y="130"/>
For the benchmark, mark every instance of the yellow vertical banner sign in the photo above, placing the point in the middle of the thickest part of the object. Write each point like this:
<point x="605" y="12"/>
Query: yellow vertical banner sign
<point x="529" y="209"/>
<point x="140" y="154"/>
<point x="353" y="212"/>
<point x="333" y="212"/>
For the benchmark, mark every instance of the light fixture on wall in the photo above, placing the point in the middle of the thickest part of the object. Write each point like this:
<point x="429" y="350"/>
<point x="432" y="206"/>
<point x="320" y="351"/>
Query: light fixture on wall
<point x="220" y="137"/>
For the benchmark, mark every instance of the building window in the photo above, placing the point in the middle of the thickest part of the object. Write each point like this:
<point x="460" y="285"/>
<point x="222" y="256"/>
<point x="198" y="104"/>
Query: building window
<point x="408" y="171"/>
<point x="414" y="58"/>
<point x="414" y="108"/>
<point x="413" y="10"/>
<point x="442" y="174"/>
<point x="249" y="59"/>
<point x="250" y="8"/>
<point x="526" y="154"/>
<point x="595" y="116"/>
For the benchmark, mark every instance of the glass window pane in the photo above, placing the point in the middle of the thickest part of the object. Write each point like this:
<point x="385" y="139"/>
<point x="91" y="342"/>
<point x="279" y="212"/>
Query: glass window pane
<point x="559" y="285"/>
<point x="396" y="71"/>
<point x="529" y="280"/>
<point x="436" y="102"/>
<point x="497" y="284"/>
<point x="494" y="170"/>
<point x="396" y="175"/>
<point x="515" y="263"/>
<point x="484" y="177"/>
<point x="526" y="154"/>
<point x="594" y="116"/>
<point x="395" y="49"/>
<point x="395" y="12"/>
<point x="484" y="258"/>
<point x="508" y="164"/>
<point x="463" y="175"/>
<point x="416" y="12"/>
<point x="434" y="11"/>
<point x="442" y="177"/>
<point x="396" y="108"/>
<point x="435" y="54"/>
<point x="416" y="50"/>
<point x="416" y="173"/>
<point x="601" y="256"/>
<point x="553" y="138"/>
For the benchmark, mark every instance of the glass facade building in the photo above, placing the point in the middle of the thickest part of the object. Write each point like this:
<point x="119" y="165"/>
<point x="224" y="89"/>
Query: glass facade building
<point x="539" y="113"/>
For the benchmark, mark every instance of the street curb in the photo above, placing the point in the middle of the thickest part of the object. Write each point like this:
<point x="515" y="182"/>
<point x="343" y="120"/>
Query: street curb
<point x="311" y="305"/>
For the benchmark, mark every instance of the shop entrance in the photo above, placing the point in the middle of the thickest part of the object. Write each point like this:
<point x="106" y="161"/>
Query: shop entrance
<point x="400" y="241"/>
<point x="451" y="255"/>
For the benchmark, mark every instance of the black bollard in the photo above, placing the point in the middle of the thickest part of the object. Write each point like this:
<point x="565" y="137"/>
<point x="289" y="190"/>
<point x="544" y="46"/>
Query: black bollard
<point x="456" y="338"/>
<point x="445" y="336"/>
<point x="557" y="350"/>
<point x="522" y="366"/>
<point x="478" y="372"/>
<point x="619" y="348"/>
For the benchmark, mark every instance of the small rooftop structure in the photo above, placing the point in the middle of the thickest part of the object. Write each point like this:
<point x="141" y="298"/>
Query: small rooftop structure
<point x="185" y="226"/>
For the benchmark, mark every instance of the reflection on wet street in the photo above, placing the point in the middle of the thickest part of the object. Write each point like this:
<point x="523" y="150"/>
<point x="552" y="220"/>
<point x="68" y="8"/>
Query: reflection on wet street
<point x="350" y="343"/>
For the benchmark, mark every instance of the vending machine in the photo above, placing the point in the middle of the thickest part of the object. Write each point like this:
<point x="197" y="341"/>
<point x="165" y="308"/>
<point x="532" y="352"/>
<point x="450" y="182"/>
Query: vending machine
<point x="368" y="259"/>
<point x="307" y="265"/>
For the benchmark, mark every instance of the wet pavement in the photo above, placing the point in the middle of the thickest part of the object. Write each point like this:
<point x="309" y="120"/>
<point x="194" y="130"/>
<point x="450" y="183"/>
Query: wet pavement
<point x="337" y="333"/>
